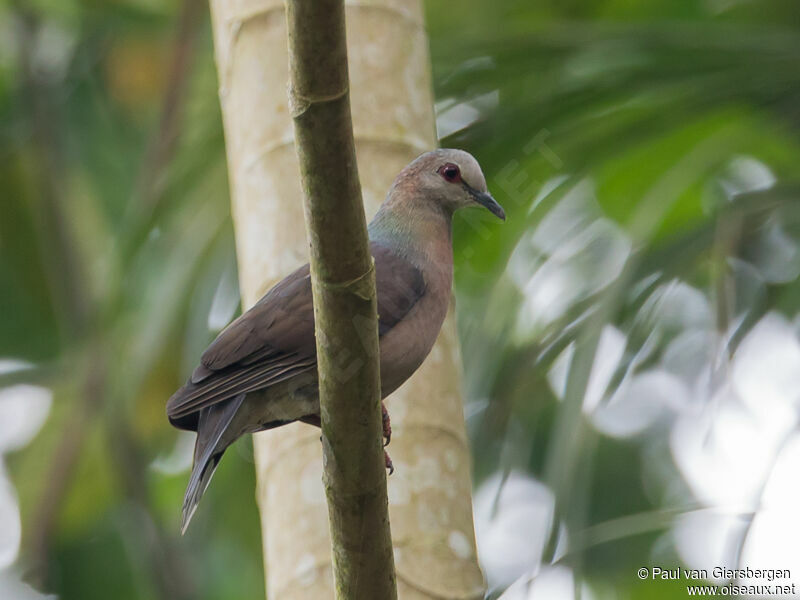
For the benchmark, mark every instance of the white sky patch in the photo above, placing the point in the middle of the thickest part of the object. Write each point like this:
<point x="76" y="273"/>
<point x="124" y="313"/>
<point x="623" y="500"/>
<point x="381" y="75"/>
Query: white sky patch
<point x="12" y="365"/>
<point x="549" y="583"/>
<point x="225" y="301"/>
<point x="746" y="174"/>
<point x="512" y="522"/>
<point x="688" y="355"/>
<point x="705" y="539"/>
<point x="179" y="460"/>
<point x="451" y="118"/>
<point x="583" y="263"/>
<point x="546" y="189"/>
<point x="766" y="367"/>
<point x="738" y="450"/>
<point x="455" y="118"/>
<point x="725" y="453"/>
<point x="777" y="255"/>
<point x="10" y="524"/>
<point x="12" y="588"/>
<point x="639" y="403"/>
<point x="772" y="540"/>
<point x="677" y="305"/>
<point x="23" y="411"/>
<point x="610" y="350"/>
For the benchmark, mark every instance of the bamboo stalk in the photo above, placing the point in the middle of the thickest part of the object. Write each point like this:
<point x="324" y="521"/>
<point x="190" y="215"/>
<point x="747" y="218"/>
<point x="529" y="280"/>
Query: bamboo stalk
<point x="343" y="284"/>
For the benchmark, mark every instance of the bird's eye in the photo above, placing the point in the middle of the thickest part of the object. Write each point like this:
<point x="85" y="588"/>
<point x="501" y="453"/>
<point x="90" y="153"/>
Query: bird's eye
<point x="450" y="172"/>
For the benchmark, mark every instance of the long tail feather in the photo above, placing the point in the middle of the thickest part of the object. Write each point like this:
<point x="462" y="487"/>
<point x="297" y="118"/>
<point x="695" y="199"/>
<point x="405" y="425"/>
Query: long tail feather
<point x="211" y="443"/>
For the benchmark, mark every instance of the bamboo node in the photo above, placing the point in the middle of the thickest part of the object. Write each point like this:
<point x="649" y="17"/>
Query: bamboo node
<point x="360" y="286"/>
<point x="300" y="103"/>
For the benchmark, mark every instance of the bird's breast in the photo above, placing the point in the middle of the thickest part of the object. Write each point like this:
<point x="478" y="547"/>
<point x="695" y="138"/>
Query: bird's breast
<point x="404" y="347"/>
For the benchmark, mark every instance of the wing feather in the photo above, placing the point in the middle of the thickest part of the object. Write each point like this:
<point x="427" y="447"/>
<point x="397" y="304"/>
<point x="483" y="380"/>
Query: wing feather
<point x="274" y="340"/>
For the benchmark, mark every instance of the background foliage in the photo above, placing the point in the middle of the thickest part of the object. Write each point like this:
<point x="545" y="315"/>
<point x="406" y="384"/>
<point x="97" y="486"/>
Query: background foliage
<point x="629" y="336"/>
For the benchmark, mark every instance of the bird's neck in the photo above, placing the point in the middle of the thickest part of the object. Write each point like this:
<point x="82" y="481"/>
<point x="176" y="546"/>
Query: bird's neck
<point x="421" y="233"/>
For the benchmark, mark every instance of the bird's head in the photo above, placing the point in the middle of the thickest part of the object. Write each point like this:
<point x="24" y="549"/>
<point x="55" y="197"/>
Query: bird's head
<point x="451" y="178"/>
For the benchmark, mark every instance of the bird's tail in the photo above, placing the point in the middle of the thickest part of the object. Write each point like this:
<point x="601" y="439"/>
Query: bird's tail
<point x="211" y="443"/>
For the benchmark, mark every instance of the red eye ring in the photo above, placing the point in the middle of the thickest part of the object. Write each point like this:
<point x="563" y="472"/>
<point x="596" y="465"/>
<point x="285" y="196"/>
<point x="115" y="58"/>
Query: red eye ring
<point x="450" y="172"/>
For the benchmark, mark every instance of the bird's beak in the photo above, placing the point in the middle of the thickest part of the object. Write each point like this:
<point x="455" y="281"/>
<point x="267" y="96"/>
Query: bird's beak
<point x="485" y="199"/>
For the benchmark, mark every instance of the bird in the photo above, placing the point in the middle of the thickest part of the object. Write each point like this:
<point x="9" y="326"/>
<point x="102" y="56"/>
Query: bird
<point x="260" y="372"/>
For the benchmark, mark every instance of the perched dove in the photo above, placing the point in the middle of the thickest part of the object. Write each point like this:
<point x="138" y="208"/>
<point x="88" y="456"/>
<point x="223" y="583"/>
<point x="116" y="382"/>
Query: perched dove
<point x="261" y="371"/>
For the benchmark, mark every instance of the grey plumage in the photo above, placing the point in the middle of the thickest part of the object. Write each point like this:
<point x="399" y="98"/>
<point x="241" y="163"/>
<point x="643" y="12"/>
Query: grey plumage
<point x="260" y="372"/>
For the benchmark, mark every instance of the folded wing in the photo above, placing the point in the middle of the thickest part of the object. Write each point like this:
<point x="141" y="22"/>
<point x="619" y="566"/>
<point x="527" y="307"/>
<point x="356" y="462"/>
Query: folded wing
<point x="274" y="340"/>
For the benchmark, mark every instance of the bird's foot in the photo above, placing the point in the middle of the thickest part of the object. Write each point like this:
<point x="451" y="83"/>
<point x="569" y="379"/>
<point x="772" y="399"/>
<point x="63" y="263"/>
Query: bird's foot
<point x="389" y="465"/>
<point x="387" y="430"/>
<point x="387" y="436"/>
